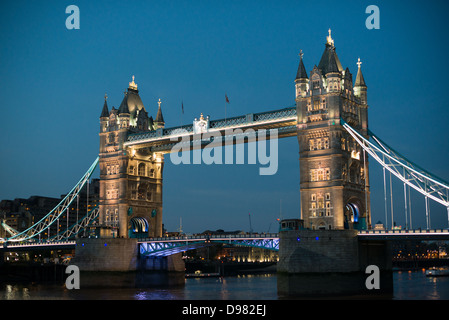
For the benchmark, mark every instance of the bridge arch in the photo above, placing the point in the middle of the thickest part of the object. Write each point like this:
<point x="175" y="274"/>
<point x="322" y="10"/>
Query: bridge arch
<point x="354" y="217"/>
<point x="138" y="227"/>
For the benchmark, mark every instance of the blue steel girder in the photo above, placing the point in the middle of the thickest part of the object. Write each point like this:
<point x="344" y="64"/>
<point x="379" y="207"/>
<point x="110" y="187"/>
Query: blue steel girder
<point x="160" y="247"/>
<point x="269" y="244"/>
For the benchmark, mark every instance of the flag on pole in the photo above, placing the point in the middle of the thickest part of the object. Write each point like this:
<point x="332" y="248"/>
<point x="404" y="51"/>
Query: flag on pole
<point x="226" y="96"/>
<point x="182" y="106"/>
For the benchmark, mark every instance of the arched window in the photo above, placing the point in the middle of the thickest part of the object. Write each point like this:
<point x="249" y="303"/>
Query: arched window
<point x="141" y="169"/>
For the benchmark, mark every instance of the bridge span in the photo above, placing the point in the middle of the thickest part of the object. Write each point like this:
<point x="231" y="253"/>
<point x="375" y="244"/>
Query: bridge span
<point x="165" y="246"/>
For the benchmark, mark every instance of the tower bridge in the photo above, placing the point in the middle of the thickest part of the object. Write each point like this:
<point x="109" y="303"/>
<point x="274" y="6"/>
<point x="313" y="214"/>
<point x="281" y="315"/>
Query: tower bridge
<point x="334" y="177"/>
<point x="329" y="120"/>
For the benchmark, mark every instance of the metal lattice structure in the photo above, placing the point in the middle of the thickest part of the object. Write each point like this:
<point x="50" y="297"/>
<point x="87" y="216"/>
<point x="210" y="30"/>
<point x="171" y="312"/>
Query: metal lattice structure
<point x="163" y="139"/>
<point x="50" y="218"/>
<point x="81" y="225"/>
<point x="160" y="247"/>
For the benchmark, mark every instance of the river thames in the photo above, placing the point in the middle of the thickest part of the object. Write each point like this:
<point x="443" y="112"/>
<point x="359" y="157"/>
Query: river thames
<point x="407" y="285"/>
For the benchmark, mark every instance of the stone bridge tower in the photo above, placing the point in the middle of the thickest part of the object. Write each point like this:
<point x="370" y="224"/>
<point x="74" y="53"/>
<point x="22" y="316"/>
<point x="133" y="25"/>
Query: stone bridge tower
<point x="334" y="180"/>
<point x="130" y="201"/>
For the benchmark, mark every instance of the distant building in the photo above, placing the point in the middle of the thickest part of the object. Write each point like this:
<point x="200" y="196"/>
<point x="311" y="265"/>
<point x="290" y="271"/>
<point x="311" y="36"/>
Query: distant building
<point x="379" y="226"/>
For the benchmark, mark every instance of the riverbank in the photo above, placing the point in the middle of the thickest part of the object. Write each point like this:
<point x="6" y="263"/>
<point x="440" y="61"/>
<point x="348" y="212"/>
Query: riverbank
<point x="416" y="264"/>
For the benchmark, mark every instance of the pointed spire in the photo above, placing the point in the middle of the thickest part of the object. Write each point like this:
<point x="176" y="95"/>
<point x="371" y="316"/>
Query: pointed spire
<point x="332" y="65"/>
<point x="159" y="117"/>
<point x="301" y="73"/>
<point x="359" y="81"/>
<point x="329" y="39"/>
<point x="329" y="60"/>
<point x="124" y="105"/>
<point x="105" y="111"/>
<point x="132" y="84"/>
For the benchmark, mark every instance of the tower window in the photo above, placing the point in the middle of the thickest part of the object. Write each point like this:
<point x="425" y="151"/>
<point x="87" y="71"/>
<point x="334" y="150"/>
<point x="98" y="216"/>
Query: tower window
<point x="326" y="143"/>
<point x="319" y="174"/>
<point x="313" y="209"/>
<point x="141" y="169"/>
<point x="311" y="144"/>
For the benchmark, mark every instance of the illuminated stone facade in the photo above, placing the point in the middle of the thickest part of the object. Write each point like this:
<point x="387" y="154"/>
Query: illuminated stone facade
<point x="334" y="180"/>
<point x="130" y="199"/>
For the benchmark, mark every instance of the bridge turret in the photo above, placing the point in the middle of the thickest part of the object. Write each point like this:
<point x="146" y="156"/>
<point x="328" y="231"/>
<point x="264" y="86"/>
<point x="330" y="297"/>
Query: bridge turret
<point x="302" y="80"/>
<point x="104" y="115"/>
<point x="360" y="88"/>
<point x="333" y="74"/>
<point x="123" y="113"/>
<point x="160" y="123"/>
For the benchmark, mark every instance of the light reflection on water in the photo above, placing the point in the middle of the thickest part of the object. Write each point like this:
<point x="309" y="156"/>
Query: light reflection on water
<point x="408" y="285"/>
<point x="415" y="285"/>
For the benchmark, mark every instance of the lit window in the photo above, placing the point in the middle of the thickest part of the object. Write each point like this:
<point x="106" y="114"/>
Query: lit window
<point x="320" y="175"/>
<point x="313" y="209"/>
<point x="326" y="143"/>
<point x="311" y="144"/>
<point x="141" y="169"/>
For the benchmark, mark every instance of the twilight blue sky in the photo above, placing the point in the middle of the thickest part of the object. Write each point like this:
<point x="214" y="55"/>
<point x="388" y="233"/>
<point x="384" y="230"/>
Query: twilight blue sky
<point x="53" y="81"/>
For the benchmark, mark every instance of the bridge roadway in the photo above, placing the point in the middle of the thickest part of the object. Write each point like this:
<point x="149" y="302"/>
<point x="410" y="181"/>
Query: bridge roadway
<point x="169" y="245"/>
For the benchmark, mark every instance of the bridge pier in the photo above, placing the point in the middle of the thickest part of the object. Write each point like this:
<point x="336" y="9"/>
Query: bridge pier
<point x="172" y="263"/>
<point x="330" y="263"/>
<point x="102" y="259"/>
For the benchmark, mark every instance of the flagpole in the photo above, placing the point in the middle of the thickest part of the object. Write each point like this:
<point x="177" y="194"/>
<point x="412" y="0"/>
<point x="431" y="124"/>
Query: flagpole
<point x="182" y="112"/>
<point x="226" y="101"/>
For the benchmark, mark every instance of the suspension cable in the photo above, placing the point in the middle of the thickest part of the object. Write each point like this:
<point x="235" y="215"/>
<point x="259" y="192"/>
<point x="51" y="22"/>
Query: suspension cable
<point x="53" y="216"/>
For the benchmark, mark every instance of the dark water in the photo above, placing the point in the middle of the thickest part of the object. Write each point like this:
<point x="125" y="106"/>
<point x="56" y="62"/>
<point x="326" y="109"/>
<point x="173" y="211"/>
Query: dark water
<point x="408" y="285"/>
